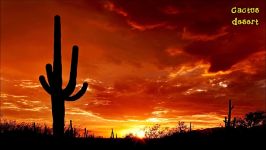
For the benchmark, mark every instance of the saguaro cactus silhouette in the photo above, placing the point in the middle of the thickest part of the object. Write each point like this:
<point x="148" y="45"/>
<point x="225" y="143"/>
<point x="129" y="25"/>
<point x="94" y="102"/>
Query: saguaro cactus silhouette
<point x="54" y="84"/>
<point x="86" y="133"/>
<point x="227" y="121"/>
<point x="112" y="134"/>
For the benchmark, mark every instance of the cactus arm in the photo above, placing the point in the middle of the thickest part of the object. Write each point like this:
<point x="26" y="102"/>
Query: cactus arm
<point x="44" y="84"/>
<point x="80" y="93"/>
<point x="73" y="73"/>
<point x="49" y="73"/>
<point x="57" y="64"/>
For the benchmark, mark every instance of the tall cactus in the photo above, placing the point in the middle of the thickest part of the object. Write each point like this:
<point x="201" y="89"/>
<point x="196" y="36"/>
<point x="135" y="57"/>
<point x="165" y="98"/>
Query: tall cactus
<point x="54" y="84"/>
<point x="227" y="121"/>
<point x="70" y="129"/>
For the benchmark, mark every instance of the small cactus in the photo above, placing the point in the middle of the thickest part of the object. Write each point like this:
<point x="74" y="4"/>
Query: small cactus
<point x="85" y="133"/>
<point x="225" y="121"/>
<point x="45" y="132"/>
<point x="112" y="134"/>
<point x="34" y="127"/>
<point x="71" y="131"/>
<point x="234" y="122"/>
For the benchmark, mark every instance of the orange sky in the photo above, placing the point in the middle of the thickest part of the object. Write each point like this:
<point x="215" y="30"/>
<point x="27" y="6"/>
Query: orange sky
<point x="146" y="62"/>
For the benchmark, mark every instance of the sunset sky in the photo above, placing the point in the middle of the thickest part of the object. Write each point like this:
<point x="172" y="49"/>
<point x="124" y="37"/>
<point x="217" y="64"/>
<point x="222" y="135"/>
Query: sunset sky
<point x="146" y="62"/>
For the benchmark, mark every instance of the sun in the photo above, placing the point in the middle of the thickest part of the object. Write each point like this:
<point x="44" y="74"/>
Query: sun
<point x="140" y="134"/>
<point x="136" y="132"/>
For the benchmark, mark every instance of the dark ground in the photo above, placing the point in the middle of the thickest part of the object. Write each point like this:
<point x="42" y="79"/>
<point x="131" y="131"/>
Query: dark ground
<point x="214" y="138"/>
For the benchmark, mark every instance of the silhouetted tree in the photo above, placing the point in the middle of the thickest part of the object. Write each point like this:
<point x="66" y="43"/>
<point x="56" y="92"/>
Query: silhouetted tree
<point x="182" y="127"/>
<point x="155" y="131"/>
<point x="130" y="136"/>
<point x="241" y="123"/>
<point x="54" y="84"/>
<point x="252" y="119"/>
<point x="255" y="118"/>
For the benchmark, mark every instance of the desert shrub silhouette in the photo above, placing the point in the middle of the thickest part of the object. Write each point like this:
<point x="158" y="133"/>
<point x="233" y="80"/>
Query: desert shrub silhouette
<point x="23" y="135"/>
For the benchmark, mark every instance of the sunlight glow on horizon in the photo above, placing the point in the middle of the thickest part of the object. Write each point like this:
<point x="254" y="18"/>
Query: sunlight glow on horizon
<point x="138" y="132"/>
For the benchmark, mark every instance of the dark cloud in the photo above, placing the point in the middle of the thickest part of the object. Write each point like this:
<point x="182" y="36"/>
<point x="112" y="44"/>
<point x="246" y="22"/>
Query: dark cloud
<point x="213" y="38"/>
